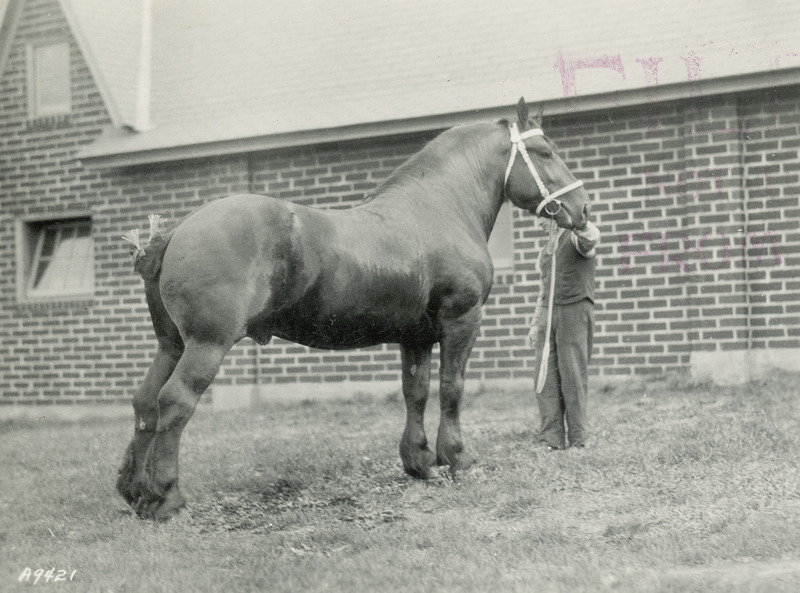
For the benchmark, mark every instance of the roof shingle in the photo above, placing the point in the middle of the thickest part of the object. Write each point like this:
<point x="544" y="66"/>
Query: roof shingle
<point x="248" y="68"/>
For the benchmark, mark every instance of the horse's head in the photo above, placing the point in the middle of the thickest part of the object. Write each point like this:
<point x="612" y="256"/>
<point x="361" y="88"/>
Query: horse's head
<point x="537" y="179"/>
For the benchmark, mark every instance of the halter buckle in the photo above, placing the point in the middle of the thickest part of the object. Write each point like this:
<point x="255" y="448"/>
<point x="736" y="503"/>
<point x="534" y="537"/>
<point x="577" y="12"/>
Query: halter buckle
<point x="558" y="208"/>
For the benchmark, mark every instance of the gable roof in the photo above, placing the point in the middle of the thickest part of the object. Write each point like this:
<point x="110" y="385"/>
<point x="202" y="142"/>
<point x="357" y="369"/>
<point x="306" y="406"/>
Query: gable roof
<point x="244" y="74"/>
<point x="110" y="35"/>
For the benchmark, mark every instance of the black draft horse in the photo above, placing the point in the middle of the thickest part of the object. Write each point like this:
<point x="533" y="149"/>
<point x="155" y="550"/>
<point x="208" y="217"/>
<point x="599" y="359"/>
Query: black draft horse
<point x="409" y="265"/>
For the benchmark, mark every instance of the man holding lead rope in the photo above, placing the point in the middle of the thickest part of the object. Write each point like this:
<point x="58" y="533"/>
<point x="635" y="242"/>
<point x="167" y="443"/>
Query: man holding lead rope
<point x="561" y="333"/>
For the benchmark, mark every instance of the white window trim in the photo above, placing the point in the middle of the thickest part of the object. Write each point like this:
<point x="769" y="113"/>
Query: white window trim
<point x="60" y="110"/>
<point x="504" y="264"/>
<point x="27" y="252"/>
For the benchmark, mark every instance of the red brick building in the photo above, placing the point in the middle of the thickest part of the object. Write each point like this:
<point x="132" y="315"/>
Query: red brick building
<point x="687" y="140"/>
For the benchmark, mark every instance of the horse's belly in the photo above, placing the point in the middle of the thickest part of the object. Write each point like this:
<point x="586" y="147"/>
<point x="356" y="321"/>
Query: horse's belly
<point x="340" y="337"/>
<point x="347" y="330"/>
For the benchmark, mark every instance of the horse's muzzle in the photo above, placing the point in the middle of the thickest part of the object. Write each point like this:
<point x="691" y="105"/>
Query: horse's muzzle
<point x="564" y="219"/>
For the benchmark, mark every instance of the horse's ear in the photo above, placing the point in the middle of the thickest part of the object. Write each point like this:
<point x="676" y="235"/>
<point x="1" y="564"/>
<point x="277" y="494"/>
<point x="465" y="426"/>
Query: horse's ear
<point x="522" y="113"/>
<point x="539" y="115"/>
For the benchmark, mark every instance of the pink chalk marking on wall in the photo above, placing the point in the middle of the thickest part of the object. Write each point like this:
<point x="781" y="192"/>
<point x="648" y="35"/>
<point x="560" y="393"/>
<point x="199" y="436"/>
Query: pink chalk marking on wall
<point x="650" y="69"/>
<point x="677" y="257"/>
<point x="703" y="260"/>
<point x="568" y="67"/>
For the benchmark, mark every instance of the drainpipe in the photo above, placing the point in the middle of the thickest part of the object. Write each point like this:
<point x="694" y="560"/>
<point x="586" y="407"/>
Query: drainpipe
<point x="745" y="248"/>
<point x="255" y="394"/>
<point x="144" y="78"/>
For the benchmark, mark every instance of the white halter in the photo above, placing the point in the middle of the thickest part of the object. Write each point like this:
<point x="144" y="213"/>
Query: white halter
<point x="518" y="145"/>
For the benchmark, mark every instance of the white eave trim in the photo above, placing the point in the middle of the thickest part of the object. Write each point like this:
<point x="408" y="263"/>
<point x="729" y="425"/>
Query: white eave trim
<point x="97" y="156"/>
<point x="144" y="79"/>
<point x="9" y="19"/>
<point x="94" y="66"/>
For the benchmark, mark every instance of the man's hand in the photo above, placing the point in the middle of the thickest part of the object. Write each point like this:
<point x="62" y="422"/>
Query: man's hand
<point x="579" y="225"/>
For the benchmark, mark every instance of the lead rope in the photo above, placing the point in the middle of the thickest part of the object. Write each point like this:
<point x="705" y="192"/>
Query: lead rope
<point x="546" y="349"/>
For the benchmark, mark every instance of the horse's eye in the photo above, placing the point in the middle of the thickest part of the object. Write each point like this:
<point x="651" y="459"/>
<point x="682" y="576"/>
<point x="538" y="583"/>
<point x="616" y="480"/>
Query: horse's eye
<point x="545" y="154"/>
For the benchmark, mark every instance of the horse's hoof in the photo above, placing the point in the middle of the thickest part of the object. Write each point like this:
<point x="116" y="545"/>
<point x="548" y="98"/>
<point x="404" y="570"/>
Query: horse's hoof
<point x="131" y="489"/>
<point x="164" y="514"/>
<point x="430" y="473"/>
<point x="156" y="510"/>
<point x="126" y="476"/>
<point x="145" y="508"/>
<point x="136" y="491"/>
<point x="161" y="508"/>
<point x="426" y="472"/>
<point x="467" y="461"/>
<point x="181" y="516"/>
<point x="464" y="461"/>
<point x="125" y="491"/>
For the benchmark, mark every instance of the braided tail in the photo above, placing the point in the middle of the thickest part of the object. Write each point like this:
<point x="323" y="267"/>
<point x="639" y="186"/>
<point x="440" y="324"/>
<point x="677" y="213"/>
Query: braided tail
<point x="147" y="257"/>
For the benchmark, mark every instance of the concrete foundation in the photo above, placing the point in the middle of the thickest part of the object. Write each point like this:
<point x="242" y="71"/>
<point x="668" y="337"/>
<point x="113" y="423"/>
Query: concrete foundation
<point x="740" y="366"/>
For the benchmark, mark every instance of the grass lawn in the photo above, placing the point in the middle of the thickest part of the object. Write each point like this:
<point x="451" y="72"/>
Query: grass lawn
<point x="686" y="488"/>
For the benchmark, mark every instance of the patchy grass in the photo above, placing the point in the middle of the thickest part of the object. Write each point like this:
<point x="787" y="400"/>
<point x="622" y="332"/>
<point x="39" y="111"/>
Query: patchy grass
<point x="686" y="488"/>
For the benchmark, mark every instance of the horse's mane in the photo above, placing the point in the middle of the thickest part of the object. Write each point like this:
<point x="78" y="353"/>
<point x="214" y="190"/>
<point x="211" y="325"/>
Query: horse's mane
<point x="435" y="164"/>
<point x="452" y="157"/>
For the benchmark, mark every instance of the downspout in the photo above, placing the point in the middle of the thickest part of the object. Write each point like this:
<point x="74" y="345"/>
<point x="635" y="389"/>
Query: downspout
<point x="144" y="80"/>
<point x="255" y="394"/>
<point x="745" y="246"/>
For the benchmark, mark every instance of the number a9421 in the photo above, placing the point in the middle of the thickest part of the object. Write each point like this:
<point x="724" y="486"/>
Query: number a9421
<point x="42" y="576"/>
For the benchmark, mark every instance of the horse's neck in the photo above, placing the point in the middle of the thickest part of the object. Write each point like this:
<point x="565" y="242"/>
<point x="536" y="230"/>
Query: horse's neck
<point x="480" y="184"/>
<point x="461" y="175"/>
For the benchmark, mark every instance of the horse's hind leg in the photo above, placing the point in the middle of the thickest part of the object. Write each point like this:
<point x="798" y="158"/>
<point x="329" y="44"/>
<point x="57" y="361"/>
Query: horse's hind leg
<point x="133" y="474"/>
<point x="418" y="460"/>
<point x="177" y="401"/>
<point x="455" y="346"/>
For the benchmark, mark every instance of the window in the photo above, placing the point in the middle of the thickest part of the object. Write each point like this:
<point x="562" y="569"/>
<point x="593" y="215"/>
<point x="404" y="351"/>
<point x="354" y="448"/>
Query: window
<point x="49" y="77"/>
<point x="56" y="259"/>
<point x="501" y="241"/>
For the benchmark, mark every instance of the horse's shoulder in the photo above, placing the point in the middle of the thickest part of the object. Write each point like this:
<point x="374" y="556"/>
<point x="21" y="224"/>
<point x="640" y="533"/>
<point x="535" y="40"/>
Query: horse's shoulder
<point x="465" y="266"/>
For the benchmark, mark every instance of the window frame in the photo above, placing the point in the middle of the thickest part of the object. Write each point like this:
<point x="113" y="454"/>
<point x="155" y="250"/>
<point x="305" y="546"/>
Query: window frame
<point x="36" y="111"/>
<point x="30" y="233"/>
<point x="505" y="217"/>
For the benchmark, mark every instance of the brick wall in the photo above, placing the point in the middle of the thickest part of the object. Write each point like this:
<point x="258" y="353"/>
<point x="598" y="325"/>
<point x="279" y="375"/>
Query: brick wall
<point x="697" y="201"/>
<point x="50" y="352"/>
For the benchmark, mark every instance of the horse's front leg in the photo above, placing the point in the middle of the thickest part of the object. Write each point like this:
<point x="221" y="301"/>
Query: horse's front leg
<point x="418" y="460"/>
<point x="455" y="346"/>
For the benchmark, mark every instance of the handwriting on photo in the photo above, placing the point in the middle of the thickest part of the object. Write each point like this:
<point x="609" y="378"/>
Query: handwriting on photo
<point x="670" y="255"/>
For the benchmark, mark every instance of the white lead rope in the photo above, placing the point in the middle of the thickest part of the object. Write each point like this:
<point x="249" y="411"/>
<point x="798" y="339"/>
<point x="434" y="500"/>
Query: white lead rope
<point x="546" y="349"/>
